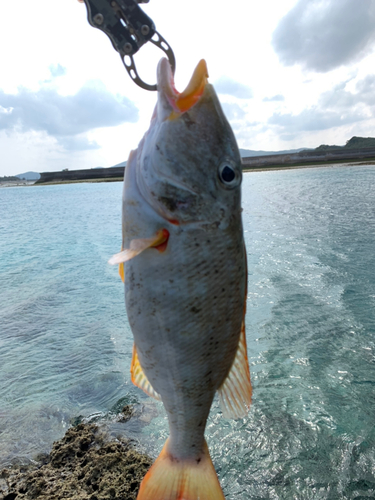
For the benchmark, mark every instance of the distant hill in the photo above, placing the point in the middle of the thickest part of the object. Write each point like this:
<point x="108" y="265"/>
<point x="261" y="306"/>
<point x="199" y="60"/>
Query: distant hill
<point x="249" y="152"/>
<point x="29" y="176"/>
<point x="353" y="143"/>
<point x="122" y="164"/>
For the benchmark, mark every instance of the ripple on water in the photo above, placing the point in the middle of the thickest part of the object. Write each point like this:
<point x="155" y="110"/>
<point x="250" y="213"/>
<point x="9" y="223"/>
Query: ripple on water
<point x="65" y="345"/>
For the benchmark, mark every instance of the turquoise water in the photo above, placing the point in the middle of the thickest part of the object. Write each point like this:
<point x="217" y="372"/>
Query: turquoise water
<point x="65" y="346"/>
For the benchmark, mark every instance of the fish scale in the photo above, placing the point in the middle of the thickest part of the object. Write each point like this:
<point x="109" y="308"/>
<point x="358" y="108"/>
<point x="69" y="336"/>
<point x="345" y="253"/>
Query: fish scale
<point x="187" y="344"/>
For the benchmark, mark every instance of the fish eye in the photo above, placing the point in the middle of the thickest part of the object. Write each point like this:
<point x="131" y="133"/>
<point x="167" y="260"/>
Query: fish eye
<point x="229" y="174"/>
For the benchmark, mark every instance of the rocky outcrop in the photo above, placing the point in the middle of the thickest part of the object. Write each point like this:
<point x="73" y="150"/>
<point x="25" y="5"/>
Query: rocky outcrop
<point x="83" y="465"/>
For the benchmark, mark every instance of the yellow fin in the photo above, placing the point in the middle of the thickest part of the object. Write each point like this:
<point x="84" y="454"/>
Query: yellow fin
<point x="173" y="479"/>
<point x="139" y="245"/>
<point x="139" y="378"/>
<point x="235" y="392"/>
<point x="121" y="270"/>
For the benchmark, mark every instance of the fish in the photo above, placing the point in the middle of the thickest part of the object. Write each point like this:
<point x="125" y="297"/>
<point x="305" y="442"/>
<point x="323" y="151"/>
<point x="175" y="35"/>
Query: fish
<point x="183" y="261"/>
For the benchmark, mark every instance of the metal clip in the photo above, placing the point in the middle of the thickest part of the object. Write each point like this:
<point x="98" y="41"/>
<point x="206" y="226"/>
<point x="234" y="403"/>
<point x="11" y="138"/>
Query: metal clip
<point x="128" y="28"/>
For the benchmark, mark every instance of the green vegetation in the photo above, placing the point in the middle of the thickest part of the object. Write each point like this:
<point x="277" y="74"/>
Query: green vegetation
<point x="353" y="143"/>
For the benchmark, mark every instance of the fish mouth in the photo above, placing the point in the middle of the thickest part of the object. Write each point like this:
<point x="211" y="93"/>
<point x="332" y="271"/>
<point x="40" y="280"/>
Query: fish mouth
<point x="180" y="102"/>
<point x="175" y="197"/>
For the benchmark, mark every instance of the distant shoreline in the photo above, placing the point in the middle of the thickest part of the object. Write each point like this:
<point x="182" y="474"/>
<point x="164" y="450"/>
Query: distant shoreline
<point x="335" y="163"/>
<point x="20" y="183"/>
<point x="81" y="181"/>
<point x="245" y="169"/>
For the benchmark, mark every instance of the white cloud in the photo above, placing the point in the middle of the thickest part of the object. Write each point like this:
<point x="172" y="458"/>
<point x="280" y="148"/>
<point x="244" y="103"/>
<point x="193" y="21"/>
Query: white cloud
<point x="228" y="86"/>
<point x="313" y="119"/>
<point x="275" y="98"/>
<point x="6" y="111"/>
<point x="323" y="34"/>
<point x="66" y="117"/>
<point x="70" y="126"/>
<point x="233" y="111"/>
<point x="57" y="70"/>
<point x="335" y="108"/>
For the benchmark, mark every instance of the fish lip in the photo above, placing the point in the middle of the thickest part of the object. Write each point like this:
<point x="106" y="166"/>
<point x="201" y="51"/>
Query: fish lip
<point x="180" y="102"/>
<point x="172" y="104"/>
<point x="165" y="81"/>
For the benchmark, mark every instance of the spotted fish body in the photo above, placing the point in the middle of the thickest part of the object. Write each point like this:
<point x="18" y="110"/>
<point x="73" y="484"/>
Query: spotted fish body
<point x="185" y="278"/>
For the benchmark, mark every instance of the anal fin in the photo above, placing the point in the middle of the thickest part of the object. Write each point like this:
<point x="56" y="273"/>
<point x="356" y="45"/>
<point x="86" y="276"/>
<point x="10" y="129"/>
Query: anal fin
<point x="235" y="392"/>
<point x="139" y="378"/>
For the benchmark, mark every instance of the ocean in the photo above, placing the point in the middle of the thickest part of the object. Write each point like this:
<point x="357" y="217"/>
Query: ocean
<point x="65" y="345"/>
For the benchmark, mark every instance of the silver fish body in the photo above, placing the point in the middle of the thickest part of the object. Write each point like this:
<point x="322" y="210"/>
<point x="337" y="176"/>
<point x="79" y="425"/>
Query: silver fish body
<point x="185" y="298"/>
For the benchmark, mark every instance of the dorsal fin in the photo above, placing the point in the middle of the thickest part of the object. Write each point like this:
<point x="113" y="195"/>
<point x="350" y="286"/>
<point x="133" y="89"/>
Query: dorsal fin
<point x="139" y="378"/>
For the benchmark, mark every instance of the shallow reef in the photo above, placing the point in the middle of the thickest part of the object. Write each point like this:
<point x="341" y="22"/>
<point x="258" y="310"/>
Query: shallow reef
<point x="84" y="465"/>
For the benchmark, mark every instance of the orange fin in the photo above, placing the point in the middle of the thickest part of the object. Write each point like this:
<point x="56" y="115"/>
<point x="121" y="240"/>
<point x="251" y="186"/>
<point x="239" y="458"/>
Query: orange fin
<point x="173" y="479"/>
<point x="139" y="378"/>
<point x="121" y="271"/>
<point x="235" y="393"/>
<point x="138" y="246"/>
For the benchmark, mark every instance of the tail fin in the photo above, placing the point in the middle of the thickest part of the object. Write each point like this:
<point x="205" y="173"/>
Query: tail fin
<point x="172" y="479"/>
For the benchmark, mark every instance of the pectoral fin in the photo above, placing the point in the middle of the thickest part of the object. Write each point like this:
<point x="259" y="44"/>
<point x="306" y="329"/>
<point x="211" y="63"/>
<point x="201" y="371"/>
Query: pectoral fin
<point x="235" y="393"/>
<point x="159" y="241"/>
<point x="139" y="378"/>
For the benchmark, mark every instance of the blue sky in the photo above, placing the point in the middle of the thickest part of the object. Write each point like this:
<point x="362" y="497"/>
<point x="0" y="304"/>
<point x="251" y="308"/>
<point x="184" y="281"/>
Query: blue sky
<point x="289" y="73"/>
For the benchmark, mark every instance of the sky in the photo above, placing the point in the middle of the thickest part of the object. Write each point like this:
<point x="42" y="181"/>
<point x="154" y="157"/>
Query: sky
<point x="289" y="74"/>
